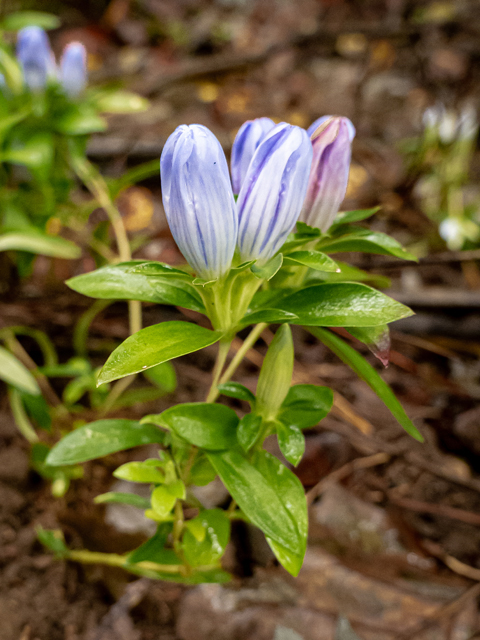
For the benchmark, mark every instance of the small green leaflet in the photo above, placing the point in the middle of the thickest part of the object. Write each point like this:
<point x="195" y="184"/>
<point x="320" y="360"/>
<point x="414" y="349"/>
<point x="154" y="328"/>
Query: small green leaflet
<point x="41" y="243"/>
<point x="13" y="372"/>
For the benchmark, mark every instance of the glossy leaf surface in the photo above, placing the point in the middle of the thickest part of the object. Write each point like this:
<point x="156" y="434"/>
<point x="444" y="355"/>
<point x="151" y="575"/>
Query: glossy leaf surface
<point x="343" y="304"/>
<point x="366" y="241"/>
<point x="153" y="345"/>
<point x="305" y="405"/>
<point x="206" y="425"/>
<point x="101" y="438"/>
<point x="13" y="372"/>
<point x="313" y="259"/>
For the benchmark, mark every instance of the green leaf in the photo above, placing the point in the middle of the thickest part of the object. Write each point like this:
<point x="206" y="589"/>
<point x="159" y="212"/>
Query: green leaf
<point x="202" y="472"/>
<point x="13" y="372"/>
<point x="350" y="274"/>
<point x="306" y="230"/>
<point x="203" y="424"/>
<point x="290" y="492"/>
<point x="119" y="282"/>
<point x="366" y="241"/>
<point x="269" y="269"/>
<point x="366" y="372"/>
<point x="121" y="102"/>
<point x="305" y="405"/>
<point x="346" y="217"/>
<point x="163" y="376"/>
<point x="270" y="316"/>
<point x="236" y="390"/>
<point x="53" y="540"/>
<point x="35" y="153"/>
<point x="343" y="304"/>
<point x="153" y="345"/>
<point x="37" y="242"/>
<point x="376" y="338"/>
<point x="291" y="442"/>
<point x="313" y="259"/>
<point x="158" y="269"/>
<point x="123" y="498"/>
<point x="257" y="497"/>
<point x="80" y="121"/>
<point x="163" y="500"/>
<point x="248" y="430"/>
<point x="153" y="550"/>
<point x="101" y="438"/>
<point x="145" y="471"/>
<point x="209" y="549"/>
<point x="20" y="19"/>
<point x="38" y="409"/>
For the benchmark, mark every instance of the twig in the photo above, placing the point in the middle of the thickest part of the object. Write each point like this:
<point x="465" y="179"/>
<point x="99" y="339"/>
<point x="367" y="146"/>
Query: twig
<point x="436" y="509"/>
<point x="344" y="471"/>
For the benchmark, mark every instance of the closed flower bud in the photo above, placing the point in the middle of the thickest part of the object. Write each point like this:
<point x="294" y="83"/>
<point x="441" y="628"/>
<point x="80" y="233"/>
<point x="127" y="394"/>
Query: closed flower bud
<point x="273" y="191"/>
<point x="73" y="69"/>
<point x="249" y="136"/>
<point x="319" y="121"/>
<point x="276" y="373"/>
<point x="35" y="57"/>
<point x="198" y="199"/>
<point x="327" y="185"/>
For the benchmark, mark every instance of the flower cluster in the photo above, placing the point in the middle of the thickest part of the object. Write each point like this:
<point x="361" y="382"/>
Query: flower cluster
<point x="280" y="176"/>
<point x="39" y="67"/>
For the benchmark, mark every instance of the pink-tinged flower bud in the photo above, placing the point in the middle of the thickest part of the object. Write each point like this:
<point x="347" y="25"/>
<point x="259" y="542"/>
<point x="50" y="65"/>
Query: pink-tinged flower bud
<point x="73" y="69"/>
<point x="273" y="191"/>
<point x="328" y="180"/>
<point x="249" y="136"/>
<point x="319" y="121"/>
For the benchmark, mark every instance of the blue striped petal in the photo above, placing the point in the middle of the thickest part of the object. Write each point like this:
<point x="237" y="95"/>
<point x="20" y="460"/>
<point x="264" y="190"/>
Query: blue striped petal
<point x="327" y="185"/>
<point x="273" y="191"/>
<point x="314" y="126"/>
<point x="73" y="69"/>
<point x="249" y="136"/>
<point x="35" y="57"/>
<point x="198" y="199"/>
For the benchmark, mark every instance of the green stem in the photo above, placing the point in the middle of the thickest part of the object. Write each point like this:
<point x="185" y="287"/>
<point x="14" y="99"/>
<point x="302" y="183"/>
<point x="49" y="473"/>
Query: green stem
<point x="115" y="560"/>
<point x="178" y="527"/>
<point x="223" y="349"/>
<point x="232" y="367"/>
<point x="116" y="391"/>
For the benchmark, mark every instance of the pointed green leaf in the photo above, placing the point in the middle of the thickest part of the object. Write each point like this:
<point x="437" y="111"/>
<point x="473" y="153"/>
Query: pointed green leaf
<point x="203" y="424"/>
<point x="269" y="269"/>
<point x="248" y="430"/>
<point x="346" y="217"/>
<point x="313" y="259"/>
<point x="41" y="243"/>
<point x="257" y="497"/>
<point x="101" y="438"/>
<point x="270" y="316"/>
<point x="343" y="304"/>
<point x="154" y="345"/>
<point x="13" y="372"/>
<point x="210" y="548"/>
<point x="291" y="442"/>
<point x="364" y="240"/>
<point x="305" y="405"/>
<point x="236" y="390"/>
<point x="123" y="498"/>
<point x="120" y="282"/>
<point x="366" y="372"/>
<point x="144" y="471"/>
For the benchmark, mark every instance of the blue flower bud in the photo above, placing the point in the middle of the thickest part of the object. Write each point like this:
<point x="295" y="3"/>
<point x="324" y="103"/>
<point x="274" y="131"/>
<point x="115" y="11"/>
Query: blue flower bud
<point x="73" y="69"/>
<point x="198" y="199"/>
<point x="327" y="185"/>
<point x="319" y="121"/>
<point x="273" y="191"/>
<point x="35" y="57"/>
<point x="249" y="136"/>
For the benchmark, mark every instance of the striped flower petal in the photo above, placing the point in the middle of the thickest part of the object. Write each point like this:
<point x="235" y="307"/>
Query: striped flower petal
<point x="249" y="136"/>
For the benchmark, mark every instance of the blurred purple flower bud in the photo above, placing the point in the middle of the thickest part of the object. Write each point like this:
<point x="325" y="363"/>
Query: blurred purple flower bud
<point x="329" y="172"/>
<point x="249" y="136"/>
<point x="273" y="191"/>
<point x="314" y="126"/>
<point x="35" y="57"/>
<point x="73" y="69"/>
<point x="198" y="199"/>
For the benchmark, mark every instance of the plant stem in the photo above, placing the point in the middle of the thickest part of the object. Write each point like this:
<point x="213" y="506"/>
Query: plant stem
<point x="177" y="526"/>
<point x="223" y="349"/>
<point x="116" y="391"/>
<point x="115" y="560"/>
<point x="232" y="367"/>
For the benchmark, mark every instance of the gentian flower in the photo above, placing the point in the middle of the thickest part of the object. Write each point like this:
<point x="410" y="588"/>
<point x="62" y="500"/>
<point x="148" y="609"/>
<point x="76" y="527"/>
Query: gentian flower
<point x="35" y="57"/>
<point x="273" y="191"/>
<point x="249" y="136"/>
<point x="319" y="121"/>
<point x="73" y="69"/>
<point x="198" y="199"/>
<point x="331" y="142"/>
